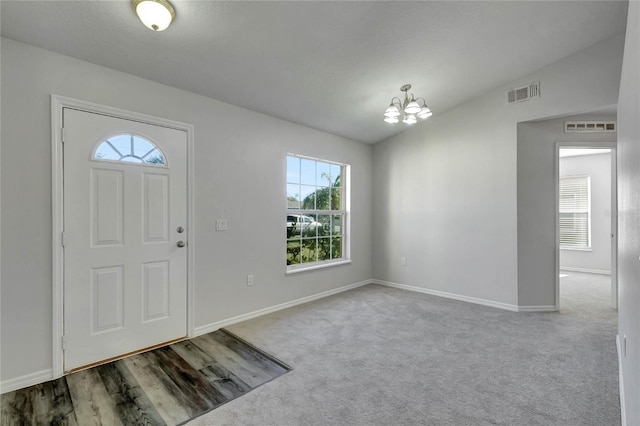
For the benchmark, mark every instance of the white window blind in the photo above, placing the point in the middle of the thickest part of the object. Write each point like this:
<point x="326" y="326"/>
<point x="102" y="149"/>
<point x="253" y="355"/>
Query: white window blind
<point x="574" y="212"/>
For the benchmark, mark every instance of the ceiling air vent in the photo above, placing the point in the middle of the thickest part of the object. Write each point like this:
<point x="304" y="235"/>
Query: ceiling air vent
<point x="589" y="126"/>
<point x="524" y="93"/>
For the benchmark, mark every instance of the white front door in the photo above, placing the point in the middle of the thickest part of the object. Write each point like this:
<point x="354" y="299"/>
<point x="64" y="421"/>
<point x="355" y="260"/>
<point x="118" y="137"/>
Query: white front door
<point x="125" y="213"/>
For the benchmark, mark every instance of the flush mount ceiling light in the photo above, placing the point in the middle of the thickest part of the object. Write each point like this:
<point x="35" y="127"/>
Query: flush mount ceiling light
<point x="154" y="14"/>
<point x="408" y="109"/>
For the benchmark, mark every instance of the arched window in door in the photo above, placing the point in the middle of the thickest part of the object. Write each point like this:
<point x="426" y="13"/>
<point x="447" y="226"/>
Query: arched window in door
<point x="130" y="148"/>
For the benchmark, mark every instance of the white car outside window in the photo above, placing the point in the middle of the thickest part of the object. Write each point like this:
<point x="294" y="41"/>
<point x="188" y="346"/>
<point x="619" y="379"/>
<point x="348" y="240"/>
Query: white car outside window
<point x="299" y="223"/>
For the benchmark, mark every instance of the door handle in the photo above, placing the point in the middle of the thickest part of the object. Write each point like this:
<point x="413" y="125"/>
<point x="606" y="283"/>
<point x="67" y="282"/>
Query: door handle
<point x="180" y="244"/>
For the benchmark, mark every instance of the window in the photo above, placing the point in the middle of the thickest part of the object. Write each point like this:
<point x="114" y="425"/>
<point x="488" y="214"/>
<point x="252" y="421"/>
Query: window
<point x="130" y="148"/>
<point x="575" y="221"/>
<point x="316" y="212"/>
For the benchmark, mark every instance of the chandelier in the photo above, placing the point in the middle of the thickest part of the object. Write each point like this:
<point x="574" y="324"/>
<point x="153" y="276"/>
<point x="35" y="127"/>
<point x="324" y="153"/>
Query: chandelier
<point x="408" y="109"/>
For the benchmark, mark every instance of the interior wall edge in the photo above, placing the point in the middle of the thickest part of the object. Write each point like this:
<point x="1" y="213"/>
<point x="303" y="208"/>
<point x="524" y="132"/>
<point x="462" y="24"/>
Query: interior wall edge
<point x="623" y="415"/>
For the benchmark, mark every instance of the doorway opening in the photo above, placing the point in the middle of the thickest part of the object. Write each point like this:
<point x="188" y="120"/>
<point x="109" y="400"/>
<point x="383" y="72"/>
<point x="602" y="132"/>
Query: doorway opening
<point x="586" y="226"/>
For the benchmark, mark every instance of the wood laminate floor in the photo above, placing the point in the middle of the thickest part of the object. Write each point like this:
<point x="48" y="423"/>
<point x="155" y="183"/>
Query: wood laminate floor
<point x="166" y="386"/>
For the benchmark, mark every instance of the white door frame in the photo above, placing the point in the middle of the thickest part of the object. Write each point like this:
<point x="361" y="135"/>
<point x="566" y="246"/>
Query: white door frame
<point x="57" y="212"/>
<point x="614" y="216"/>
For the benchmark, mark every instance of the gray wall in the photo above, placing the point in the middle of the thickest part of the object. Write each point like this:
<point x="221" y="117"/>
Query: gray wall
<point x="239" y="176"/>
<point x="537" y="206"/>
<point x="629" y="215"/>
<point x="446" y="190"/>
<point x="599" y="168"/>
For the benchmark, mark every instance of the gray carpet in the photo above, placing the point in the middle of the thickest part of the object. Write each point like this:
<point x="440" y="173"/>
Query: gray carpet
<point x="382" y="356"/>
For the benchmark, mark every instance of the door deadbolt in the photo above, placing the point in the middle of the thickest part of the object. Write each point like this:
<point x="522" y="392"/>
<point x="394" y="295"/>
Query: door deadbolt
<point x="180" y="230"/>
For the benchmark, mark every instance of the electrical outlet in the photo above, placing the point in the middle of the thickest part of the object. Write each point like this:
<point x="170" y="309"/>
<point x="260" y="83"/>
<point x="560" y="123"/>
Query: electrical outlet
<point x="249" y="280"/>
<point x="221" y="225"/>
<point x="403" y="261"/>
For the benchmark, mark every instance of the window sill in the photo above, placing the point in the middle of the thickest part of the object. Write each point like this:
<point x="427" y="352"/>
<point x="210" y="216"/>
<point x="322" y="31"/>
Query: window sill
<point x="576" y="249"/>
<point x="311" y="267"/>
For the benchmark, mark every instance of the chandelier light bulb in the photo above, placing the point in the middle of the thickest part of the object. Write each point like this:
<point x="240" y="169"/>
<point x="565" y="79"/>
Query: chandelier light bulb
<point x="392" y="111"/>
<point x="412" y="107"/>
<point x="155" y="14"/>
<point x="409" y="119"/>
<point x="425" y="112"/>
<point x="391" y="120"/>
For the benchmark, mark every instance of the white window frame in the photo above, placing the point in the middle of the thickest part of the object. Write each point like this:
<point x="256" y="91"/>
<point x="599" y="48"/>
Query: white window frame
<point x="345" y="212"/>
<point x="133" y="138"/>
<point x="588" y="246"/>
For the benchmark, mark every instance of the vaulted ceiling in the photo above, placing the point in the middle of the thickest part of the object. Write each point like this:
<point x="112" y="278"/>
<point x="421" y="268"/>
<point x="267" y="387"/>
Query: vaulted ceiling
<point x="329" y="65"/>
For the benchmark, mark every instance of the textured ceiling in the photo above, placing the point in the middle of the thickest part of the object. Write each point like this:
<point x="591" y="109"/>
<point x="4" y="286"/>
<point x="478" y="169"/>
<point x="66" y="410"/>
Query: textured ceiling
<point x="333" y="66"/>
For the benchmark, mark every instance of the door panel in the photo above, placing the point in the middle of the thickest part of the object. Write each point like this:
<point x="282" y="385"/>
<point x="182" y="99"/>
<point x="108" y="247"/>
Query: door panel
<point x="107" y="201"/>
<point x="124" y="274"/>
<point x="156" y="208"/>
<point x="106" y="310"/>
<point x="155" y="303"/>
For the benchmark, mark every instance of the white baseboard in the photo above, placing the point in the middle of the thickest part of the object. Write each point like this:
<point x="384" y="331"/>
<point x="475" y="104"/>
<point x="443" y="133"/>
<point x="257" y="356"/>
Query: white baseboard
<point x="204" y="329"/>
<point x="469" y="299"/>
<point x="585" y="270"/>
<point x="26" y="380"/>
<point x="623" y="412"/>
<point x="453" y="296"/>
<point x="541" y="308"/>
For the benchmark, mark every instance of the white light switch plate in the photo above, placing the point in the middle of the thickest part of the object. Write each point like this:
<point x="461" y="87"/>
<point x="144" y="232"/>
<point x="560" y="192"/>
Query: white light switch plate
<point x="221" y="225"/>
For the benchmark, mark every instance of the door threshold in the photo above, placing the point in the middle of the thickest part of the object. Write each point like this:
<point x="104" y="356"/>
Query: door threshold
<point x="128" y="354"/>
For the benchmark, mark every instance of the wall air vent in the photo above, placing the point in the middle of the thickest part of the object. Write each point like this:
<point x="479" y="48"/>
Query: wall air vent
<point x="524" y="93"/>
<point x="589" y="126"/>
